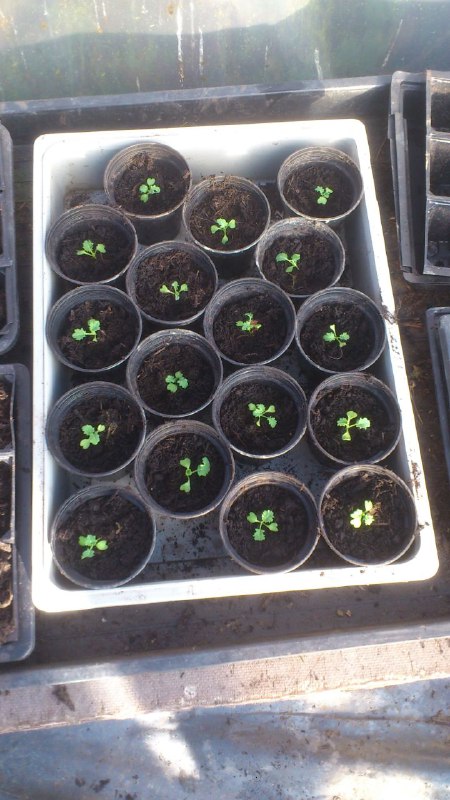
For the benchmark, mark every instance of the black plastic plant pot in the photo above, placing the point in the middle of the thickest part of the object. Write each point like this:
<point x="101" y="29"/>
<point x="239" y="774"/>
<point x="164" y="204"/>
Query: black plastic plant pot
<point x="300" y="256"/>
<point x="320" y="183"/>
<point x="250" y="321"/>
<point x="132" y="179"/>
<point x="283" y="528"/>
<point x="367" y="515"/>
<point x="184" y="469"/>
<point x="106" y="418"/>
<point x="94" y="328"/>
<point x="261" y="412"/>
<point x="174" y="373"/>
<point x="91" y="244"/>
<point x="353" y="418"/>
<point x="117" y="534"/>
<point x="172" y="283"/>
<point x="340" y="330"/>
<point x="227" y="199"/>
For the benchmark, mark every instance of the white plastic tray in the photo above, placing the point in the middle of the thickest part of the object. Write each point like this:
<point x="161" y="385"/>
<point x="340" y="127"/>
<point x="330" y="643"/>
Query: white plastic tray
<point x="189" y="560"/>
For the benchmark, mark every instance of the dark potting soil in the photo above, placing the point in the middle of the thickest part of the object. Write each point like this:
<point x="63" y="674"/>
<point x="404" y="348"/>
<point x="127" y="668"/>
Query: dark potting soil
<point x="5" y="415"/>
<point x="123" y="525"/>
<point x="115" y="339"/>
<point x="173" y="183"/>
<point x="365" y="443"/>
<point x="5" y="497"/>
<point x="239" y="424"/>
<point x="152" y="386"/>
<point x="386" y="536"/>
<point x="117" y="442"/>
<point x="164" y="475"/>
<point x="251" y="347"/>
<point x="280" y="547"/>
<point x="118" y="252"/>
<point x="226" y="201"/>
<point x="317" y="266"/>
<point x="164" y="269"/>
<point x="348" y="318"/>
<point x="299" y="190"/>
<point x="6" y="593"/>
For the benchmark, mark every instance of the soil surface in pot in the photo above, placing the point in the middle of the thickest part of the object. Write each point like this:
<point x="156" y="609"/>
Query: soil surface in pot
<point x="164" y="475"/>
<point x="6" y="593"/>
<point x="123" y="525"/>
<point x="364" y="443"/>
<point x="89" y="269"/>
<point x="172" y="182"/>
<point x="168" y="360"/>
<point x="5" y="418"/>
<point x="5" y="497"/>
<point x="390" y="531"/>
<point x="240" y="426"/>
<point x="112" y="342"/>
<point x="347" y="318"/>
<point x="228" y="202"/>
<point x="317" y="265"/>
<point x="279" y="547"/>
<point x="117" y="443"/>
<point x="163" y="269"/>
<point x="299" y="190"/>
<point x="251" y="347"/>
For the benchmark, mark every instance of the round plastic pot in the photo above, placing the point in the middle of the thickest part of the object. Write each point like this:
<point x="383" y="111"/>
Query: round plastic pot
<point x="157" y="342"/>
<point x="349" y="297"/>
<point x="202" y="261"/>
<point x="239" y="289"/>
<point x="57" y="320"/>
<point x="174" y="429"/>
<point x="76" y="220"/>
<point x="297" y="227"/>
<point x="230" y="263"/>
<point x="149" y="228"/>
<point x="293" y="485"/>
<point x="262" y="375"/>
<point x="79" y="499"/>
<point x="374" y="387"/>
<point x="327" y="156"/>
<point x="392" y="486"/>
<point x="85" y="393"/>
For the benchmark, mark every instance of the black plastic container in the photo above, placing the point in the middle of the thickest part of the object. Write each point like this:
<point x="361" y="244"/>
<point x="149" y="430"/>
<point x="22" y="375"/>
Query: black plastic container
<point x="9" y="314"/>
<point x="438" y="326"/>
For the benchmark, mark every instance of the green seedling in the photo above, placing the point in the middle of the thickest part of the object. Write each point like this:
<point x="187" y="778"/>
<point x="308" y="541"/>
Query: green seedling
<point x="202" y="471"/>
<point x="91" y="544"/>
<point x="93" y="328"/>
<point x="340" y="338"/>
<point x="364" y="516"/>
<point x="177" y="289"/>
<point x="324" y="195"/>
<point x="146" y="189"/>
<point x="92" y="435"/>
<point x="260" y="412"/>
<point x="222" y="225"/>
<point x="267" y="521"/>
<point x="292" y="261"/>
<point x="90" y="250"/>
<point x="250" y="325"/>
<point x="352" y="421"/>
<point x="175" y="381"/>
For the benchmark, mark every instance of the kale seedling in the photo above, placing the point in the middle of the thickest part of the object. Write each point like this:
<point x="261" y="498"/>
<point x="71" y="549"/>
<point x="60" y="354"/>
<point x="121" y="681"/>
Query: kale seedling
<point x="92" y="435"/>
<point x="250" y="325"/>
<point x="146" y="189"/>
<point x="340" y="338"/>
<point x="364" y="516"/>
<point x="223" y="225"/>
<point x="260" y="412"/>
<point x="93" y="328"/>
<point x="267" y="521"/>
<point x="324" y="195"/>
<point x="91" y="544"/>
<point x="292" y="261"/>
<point x="175" y="381"/>
<point x="89" y="250"/>
<point x="202" y="470"/>
<point x="361" y="423"/>
<point x="177" y="289"/>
